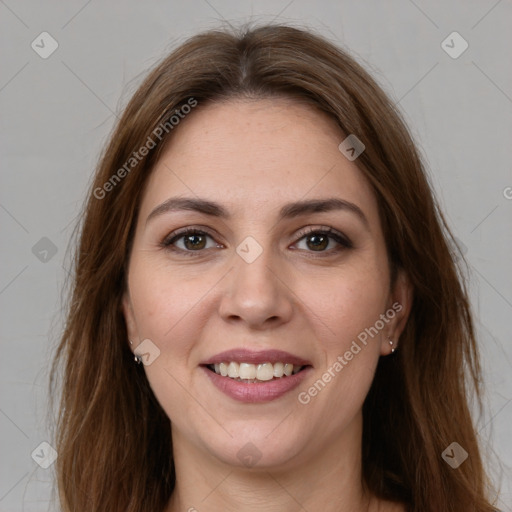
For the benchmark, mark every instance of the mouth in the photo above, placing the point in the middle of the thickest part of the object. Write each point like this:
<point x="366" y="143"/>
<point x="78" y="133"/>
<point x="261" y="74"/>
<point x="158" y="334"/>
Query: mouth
<point x="255" y="376"/>
<point x="253" y="373"/>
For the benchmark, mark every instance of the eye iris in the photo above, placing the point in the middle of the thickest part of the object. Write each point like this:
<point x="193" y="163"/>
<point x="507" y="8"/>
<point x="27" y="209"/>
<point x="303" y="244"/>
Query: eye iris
<point x="319" y="245"/>
<point x="189" y="238"/>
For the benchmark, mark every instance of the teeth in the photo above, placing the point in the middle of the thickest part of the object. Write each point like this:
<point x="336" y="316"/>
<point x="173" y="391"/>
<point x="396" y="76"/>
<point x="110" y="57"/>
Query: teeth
<point x="265" y="371"/>
<point x="278" y="369"/>
<point x="255" y="372"/>
<point x="247" y="371"/>
<point x="233" y="370"/>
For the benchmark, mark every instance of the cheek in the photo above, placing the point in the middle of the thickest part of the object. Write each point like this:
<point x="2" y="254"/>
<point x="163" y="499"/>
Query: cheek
<point x="162" y="303"/>
<point x="344" y="305"/>
<point x="349" y="342"/>
<point x="342" y="309"/>
<point x="165" y="307"/>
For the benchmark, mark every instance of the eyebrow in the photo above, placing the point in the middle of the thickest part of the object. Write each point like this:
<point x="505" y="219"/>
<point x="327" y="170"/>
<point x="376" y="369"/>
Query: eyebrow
<point x="288" y="211"/>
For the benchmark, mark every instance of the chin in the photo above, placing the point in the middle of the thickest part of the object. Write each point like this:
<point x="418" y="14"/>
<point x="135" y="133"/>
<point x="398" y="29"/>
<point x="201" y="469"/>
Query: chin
<point x="256" y="447"/>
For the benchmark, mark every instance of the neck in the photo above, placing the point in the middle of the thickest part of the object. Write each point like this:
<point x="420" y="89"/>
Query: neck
<point x="329" y="480"/>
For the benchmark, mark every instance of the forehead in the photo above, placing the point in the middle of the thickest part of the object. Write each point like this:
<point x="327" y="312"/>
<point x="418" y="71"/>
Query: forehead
<point x="257" y="154"/>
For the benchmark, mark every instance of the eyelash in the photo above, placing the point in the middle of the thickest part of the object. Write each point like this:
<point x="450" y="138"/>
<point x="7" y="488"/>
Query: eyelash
<point x="342" y="240"/>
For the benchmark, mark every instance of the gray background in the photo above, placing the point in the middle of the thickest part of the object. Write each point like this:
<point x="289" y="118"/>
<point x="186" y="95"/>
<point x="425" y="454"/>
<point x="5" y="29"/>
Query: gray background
<point x="56" y="114"/>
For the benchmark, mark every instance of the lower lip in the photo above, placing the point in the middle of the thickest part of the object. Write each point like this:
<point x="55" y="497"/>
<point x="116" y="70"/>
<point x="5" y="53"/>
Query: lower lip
<point x="256" y="392"/>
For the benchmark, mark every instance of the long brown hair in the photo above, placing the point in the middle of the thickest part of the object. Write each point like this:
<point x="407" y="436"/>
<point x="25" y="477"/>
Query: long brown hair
<point x="113" y="438"/>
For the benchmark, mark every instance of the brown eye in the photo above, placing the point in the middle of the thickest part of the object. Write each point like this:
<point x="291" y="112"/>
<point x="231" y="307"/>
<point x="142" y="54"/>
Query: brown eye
<point x="193" y="240"/>
<point x="318" y="240"/>
<point x="197" y="241"/>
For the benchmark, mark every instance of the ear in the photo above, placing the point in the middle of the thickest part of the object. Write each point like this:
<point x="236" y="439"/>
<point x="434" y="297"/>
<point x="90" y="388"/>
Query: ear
<point x="129" y="318"/>
<point x="399" y="308"/>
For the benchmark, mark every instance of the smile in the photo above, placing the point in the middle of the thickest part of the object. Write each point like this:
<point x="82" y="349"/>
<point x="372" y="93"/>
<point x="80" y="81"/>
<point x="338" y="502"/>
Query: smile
<point x="255" y="376"/>
<point x="253" y="373"/>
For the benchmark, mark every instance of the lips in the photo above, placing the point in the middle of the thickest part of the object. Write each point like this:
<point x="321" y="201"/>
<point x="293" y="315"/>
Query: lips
<point x="274" y="373"/>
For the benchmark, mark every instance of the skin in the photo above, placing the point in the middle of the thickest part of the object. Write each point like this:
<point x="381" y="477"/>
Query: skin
<point x="253" y="156"/>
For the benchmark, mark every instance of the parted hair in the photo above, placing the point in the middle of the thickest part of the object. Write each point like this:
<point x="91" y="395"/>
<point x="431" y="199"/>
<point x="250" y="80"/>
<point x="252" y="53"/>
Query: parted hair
<point x="113" y="438"/>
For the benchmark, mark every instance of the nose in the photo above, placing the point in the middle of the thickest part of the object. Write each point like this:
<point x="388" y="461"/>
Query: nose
<point x="257" y="293"/>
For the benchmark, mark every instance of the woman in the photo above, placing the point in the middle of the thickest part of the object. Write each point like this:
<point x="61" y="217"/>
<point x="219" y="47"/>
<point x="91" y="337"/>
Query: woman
<point x="266" y="314"/>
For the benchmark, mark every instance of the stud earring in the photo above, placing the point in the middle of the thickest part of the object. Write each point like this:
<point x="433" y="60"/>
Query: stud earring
<point x="136" y="358"/>
<point x="391" y="343"/>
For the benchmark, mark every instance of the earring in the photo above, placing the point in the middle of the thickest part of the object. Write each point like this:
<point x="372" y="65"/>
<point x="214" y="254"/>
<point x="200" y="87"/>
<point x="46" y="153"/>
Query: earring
<point x="391" y="343"/>
<point x="136" y="358"/>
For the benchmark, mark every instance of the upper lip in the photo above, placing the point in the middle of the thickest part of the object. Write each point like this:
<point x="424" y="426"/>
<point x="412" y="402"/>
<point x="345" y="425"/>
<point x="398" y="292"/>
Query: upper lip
<point x="242" y="355"/>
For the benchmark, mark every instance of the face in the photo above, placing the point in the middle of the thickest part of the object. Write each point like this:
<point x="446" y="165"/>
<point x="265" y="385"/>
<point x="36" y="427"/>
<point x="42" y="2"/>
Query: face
<point x="266" y="281"/>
